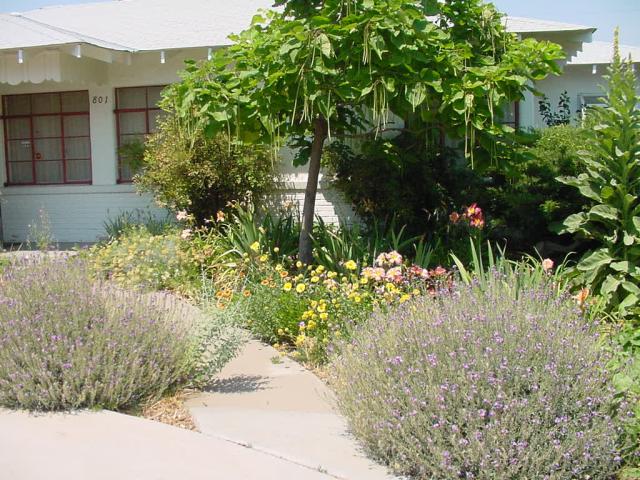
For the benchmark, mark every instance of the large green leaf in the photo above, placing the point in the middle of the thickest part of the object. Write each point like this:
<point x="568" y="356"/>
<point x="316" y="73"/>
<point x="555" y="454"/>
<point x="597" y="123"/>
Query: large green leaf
<point x="595" y="260"/>
<point x="430" y="7"/>
<point x="610" y="285"/>
<point x="574" y="223"/>
<point x="605" y="212"/>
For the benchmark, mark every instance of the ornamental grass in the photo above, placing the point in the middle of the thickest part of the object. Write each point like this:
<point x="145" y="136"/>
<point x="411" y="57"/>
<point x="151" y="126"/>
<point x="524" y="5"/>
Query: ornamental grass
<point x="481" y="383"/>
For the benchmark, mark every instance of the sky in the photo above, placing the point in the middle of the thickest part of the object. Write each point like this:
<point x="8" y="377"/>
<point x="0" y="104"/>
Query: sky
<point x="603" y="14"/>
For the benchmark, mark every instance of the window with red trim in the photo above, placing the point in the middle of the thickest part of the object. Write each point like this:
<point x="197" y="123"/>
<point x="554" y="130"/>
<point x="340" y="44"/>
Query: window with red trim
<point x="47" y="139"/>
<point x="137" y="115"/>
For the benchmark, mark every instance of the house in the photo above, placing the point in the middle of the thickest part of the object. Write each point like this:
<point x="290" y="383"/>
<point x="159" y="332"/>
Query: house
<point x="78" y="81"/>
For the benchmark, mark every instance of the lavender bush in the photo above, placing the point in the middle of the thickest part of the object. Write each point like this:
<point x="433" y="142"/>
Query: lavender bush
<point x="482" y="384"/>
<point x="67" y="342"/>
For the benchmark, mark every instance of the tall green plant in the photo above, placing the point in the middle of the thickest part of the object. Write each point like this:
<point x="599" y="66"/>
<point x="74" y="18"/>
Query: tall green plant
<point x="319" y="69"/>
<point x="612" y="182"/>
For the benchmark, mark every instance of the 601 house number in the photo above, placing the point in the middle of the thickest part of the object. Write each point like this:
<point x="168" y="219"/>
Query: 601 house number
<point x="99" y="100"/>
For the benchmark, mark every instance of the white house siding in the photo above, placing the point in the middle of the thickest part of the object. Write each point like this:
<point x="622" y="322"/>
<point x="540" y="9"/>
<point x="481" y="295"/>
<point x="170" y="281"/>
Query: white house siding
<point x="576" y="80"/>
<point x="77" y="212"/>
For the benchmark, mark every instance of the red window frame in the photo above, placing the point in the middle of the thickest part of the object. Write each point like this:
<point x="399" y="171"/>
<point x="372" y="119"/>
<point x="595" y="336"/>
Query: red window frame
<point x="146" y="112"/>
<point x="32" y="139"/>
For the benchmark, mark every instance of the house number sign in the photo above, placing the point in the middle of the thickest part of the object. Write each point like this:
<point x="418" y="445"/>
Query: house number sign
<point x="99" y="99"/>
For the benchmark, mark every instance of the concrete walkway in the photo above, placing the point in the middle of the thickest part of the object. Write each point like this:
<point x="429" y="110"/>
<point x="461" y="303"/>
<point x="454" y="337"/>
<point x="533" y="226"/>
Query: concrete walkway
<point x="111" y="446"/>
<point x="262" y="420"/>
<point x="275" y="406"/>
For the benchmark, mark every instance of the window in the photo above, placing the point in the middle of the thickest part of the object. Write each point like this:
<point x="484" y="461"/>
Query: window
<point x="511" y="115"/>
<point x="587" y="101"/>
<point x="137" y="114"/>
<point x="47" y="139"/>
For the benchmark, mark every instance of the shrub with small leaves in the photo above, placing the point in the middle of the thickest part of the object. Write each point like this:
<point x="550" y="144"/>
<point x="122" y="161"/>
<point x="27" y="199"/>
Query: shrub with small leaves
<point x="480" y="383"/>
<point x="67" y="342"/>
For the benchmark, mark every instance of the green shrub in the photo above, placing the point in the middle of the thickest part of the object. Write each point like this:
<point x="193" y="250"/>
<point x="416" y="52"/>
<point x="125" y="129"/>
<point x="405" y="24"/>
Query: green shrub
<point x="481" y="384"/>
<point x="611" y="182"/>
<point x="524" y="202"/>
<point x="186" y="170"/>
<point x="67" y="342"/>
<point x="218" y="336"/>
<point x="153" y="262"/>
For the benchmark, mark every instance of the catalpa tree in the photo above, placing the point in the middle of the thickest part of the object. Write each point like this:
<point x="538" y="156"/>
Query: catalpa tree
<point x="318" y="69"/>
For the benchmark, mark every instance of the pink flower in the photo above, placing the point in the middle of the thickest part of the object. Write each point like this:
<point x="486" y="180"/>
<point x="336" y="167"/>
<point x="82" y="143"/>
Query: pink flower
<point x="186" y="233"/>
<point x="439" y="271"/>
<point x="547" y="264"/>
<point x="394" y="274"/>
<point x="182" y="215"/>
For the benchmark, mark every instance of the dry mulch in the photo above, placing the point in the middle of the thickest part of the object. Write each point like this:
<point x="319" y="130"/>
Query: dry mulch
<point x="170" y="410"/>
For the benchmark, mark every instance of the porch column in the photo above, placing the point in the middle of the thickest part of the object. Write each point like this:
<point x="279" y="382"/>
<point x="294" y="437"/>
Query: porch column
<point x="103" y="135"/>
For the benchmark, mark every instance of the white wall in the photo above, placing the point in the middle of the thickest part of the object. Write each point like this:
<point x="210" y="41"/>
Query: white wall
<point x="78" y="212"/>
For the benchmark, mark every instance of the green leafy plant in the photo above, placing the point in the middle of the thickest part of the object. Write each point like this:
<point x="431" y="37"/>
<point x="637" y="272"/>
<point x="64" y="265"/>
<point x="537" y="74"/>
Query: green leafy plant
<point x="249" y="231"/>
<point x="127" y="220"/>
<point x="612" y="182"/>
<point x="525" y="203"/>
<point x="561" y="116"/>
<point x="187" y="170"/>
<point x="518" y="276"/>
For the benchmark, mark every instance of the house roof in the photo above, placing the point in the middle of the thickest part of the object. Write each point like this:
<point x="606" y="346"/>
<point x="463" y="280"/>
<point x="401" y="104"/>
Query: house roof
<point x="602" y="52"/>
<point x="534" y="25"/>
<point x="131" y="25"/>
<point x="145" y="25"/>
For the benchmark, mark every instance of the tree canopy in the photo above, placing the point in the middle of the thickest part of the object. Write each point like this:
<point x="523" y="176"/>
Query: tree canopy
<point x="312" y="70"/>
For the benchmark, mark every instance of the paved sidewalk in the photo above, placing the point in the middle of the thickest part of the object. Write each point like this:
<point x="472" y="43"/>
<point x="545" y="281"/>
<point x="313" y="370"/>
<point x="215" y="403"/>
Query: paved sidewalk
<point x="274" y="405"/>
<point x="111" y="446"/>
<point x="263" y="420"/>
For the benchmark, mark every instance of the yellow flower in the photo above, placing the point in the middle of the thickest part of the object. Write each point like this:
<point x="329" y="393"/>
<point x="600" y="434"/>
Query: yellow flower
<point x="276" y="249"/>
<point x="332" y="275"/>
<point x="314" y="303"/>
<point x="287" y="287"/>
<point x="299" y="264"/>
<point x="263" y="258"/>
<point x="280" y="332"/>
<point x="315" y="279"/>
<point x="324" y="316"/>
<point x="416" y="291"/>
<point x="278" y="267"/>
<point x="301" y="287"/>
<point x="320" y="269"/>
<point x="322" y="308"/>
<point x="300" y="339"/>
<point x="311" y="325"/>
<point x="255" y="246"/>
<point x="405" y="297"/>
<point x="351" y="265"/>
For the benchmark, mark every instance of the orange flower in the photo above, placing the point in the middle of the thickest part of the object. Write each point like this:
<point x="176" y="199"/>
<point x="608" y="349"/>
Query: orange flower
<point x="582" y="296"/>
<point x="454" y="217"/>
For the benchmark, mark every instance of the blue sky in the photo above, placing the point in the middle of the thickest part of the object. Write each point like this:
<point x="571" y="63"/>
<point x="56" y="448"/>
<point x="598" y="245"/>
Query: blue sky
<point x="603" y="14"/>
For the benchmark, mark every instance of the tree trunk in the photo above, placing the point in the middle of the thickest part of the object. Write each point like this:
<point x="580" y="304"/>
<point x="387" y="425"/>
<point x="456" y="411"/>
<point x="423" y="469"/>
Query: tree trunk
<point x="308" y="213"/>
